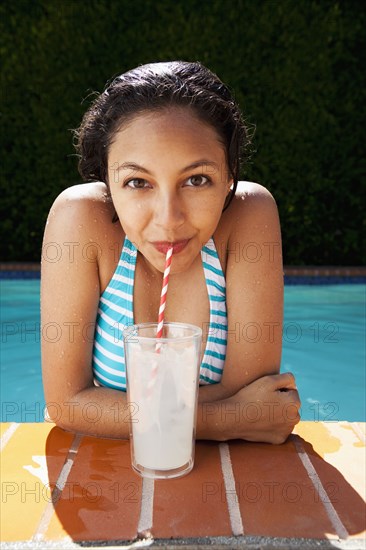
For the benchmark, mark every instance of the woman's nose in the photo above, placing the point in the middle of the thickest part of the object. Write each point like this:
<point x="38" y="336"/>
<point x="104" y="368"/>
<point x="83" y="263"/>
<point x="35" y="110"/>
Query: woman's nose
<point x="169" y="213"/>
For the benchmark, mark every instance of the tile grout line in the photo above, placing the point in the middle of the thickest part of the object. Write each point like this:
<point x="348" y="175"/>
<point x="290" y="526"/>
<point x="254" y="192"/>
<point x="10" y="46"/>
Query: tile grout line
<point x="8" y="434"/>
<point x="147" y="507"/>
<point x="332" y="514"/>
<point x="59" y="486"/>
<point x="230" y="490"/>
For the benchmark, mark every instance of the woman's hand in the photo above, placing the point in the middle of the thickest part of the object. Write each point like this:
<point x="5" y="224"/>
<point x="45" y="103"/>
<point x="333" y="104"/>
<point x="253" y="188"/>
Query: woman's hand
<point x="265" y="410"/>
<point x="269" y="409"/>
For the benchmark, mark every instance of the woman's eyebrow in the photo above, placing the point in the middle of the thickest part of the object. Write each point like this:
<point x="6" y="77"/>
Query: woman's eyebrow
<point x="197" y="164"/>
<point x="134" y="167"/>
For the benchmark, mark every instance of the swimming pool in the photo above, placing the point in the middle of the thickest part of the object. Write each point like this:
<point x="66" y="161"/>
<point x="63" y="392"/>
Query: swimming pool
<point x="323" y="345"/>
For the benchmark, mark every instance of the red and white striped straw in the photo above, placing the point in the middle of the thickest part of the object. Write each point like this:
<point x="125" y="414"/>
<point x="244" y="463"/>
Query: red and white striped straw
<point x="164" y="290"/>
<point x="159" y="332"/>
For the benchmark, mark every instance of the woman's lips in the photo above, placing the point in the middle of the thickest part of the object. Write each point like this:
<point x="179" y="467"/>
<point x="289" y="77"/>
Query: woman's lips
<point x="178" y="246"/>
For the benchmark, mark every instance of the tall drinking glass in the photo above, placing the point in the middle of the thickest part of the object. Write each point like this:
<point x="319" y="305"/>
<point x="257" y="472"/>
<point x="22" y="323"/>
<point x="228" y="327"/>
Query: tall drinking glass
<point x="162" y="391"/>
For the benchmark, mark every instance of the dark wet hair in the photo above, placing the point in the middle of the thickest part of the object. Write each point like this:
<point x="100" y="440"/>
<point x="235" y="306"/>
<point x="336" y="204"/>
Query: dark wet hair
<point x="154" y="87"/>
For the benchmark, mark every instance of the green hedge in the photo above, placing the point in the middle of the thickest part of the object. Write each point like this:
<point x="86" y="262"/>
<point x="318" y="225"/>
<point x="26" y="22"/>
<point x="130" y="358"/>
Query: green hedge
<point x="296" y="66"/>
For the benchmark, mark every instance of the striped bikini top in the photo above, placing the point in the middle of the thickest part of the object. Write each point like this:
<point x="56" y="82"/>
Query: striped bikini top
<point x="115" y="312"/>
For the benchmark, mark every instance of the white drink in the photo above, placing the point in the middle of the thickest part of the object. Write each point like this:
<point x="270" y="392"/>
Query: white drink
<point x="163" y="386"/>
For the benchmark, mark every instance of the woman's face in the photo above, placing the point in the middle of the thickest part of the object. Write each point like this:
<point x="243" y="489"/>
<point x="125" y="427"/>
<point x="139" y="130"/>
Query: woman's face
<point x="168" y="178"/>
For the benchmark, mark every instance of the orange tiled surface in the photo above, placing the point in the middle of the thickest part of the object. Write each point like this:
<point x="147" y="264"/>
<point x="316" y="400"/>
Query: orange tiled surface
<point x="72" y="489"/>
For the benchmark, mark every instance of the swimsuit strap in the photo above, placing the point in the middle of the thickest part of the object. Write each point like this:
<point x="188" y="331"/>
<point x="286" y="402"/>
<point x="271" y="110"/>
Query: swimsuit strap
<point x="215" y="352"/>
<point x="115" y="312"/>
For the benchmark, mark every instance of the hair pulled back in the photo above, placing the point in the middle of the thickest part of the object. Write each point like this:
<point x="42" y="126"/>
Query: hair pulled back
<point x="153" y="87"/>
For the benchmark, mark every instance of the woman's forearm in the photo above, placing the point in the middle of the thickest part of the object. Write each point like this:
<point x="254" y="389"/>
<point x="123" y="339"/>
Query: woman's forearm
<point x="266" y="410"/>
<point x="105" y="412"/>
<point x="215" y="413"/>
<point x="213" y="392"/>
<point x="96" y="411"/>
<point x="216" y="420"/>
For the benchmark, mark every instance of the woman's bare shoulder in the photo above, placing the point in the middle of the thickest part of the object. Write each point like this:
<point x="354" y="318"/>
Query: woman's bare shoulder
<point x="252" y="193"/>
<point x="86" y="205"/>
<point x="84" y="195"/>
<point x="83" y="212"/>
<point x="252" y="206"/>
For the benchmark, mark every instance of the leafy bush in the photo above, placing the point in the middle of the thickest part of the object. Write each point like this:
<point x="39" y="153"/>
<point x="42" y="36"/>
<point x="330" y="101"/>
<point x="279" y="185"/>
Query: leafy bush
<point x="296" y="67"/>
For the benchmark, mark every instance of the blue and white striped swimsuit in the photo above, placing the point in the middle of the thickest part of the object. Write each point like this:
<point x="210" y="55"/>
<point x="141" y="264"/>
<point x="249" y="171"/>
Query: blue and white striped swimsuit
<point x="115" y="312"/>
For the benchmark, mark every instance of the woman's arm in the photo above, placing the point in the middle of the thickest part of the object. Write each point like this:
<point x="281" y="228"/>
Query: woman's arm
<point x="70" y="290"/>
<point x="266" y="410"/>
<point x="254" y="289"/>
<point x="252" y="400"/>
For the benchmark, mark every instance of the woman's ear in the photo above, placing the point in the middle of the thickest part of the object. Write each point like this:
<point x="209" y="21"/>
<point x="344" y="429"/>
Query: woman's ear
<point x="231" y="190"/>
<point x="229" y="186"/>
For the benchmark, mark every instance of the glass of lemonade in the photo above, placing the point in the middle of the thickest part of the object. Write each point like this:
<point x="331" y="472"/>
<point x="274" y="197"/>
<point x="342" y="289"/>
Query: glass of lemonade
<point x="162" y="393"/>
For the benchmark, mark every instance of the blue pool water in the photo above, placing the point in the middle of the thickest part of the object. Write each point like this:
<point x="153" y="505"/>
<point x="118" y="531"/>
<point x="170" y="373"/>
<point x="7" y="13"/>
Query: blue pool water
<point x="323" y="345"/>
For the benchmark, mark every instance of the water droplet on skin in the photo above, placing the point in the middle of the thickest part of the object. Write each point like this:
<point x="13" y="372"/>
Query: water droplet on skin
<point x="80" y="226"/>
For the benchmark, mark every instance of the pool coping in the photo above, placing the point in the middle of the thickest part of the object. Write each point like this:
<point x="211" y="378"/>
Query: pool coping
<point x="311" y="270"/>
<point x="308" y="274"/>
<point x="70" y="460"/>
<point x="293" y="275"/>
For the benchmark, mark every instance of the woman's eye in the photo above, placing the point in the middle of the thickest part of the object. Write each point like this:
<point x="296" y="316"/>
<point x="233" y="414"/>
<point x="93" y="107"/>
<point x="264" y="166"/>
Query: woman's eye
<point x="136" y="183"/>
<point x="197" y="180"/>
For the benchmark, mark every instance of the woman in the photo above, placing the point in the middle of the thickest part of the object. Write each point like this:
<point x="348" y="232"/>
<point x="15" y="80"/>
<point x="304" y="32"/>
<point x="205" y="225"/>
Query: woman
<point x="161" y="149"/>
